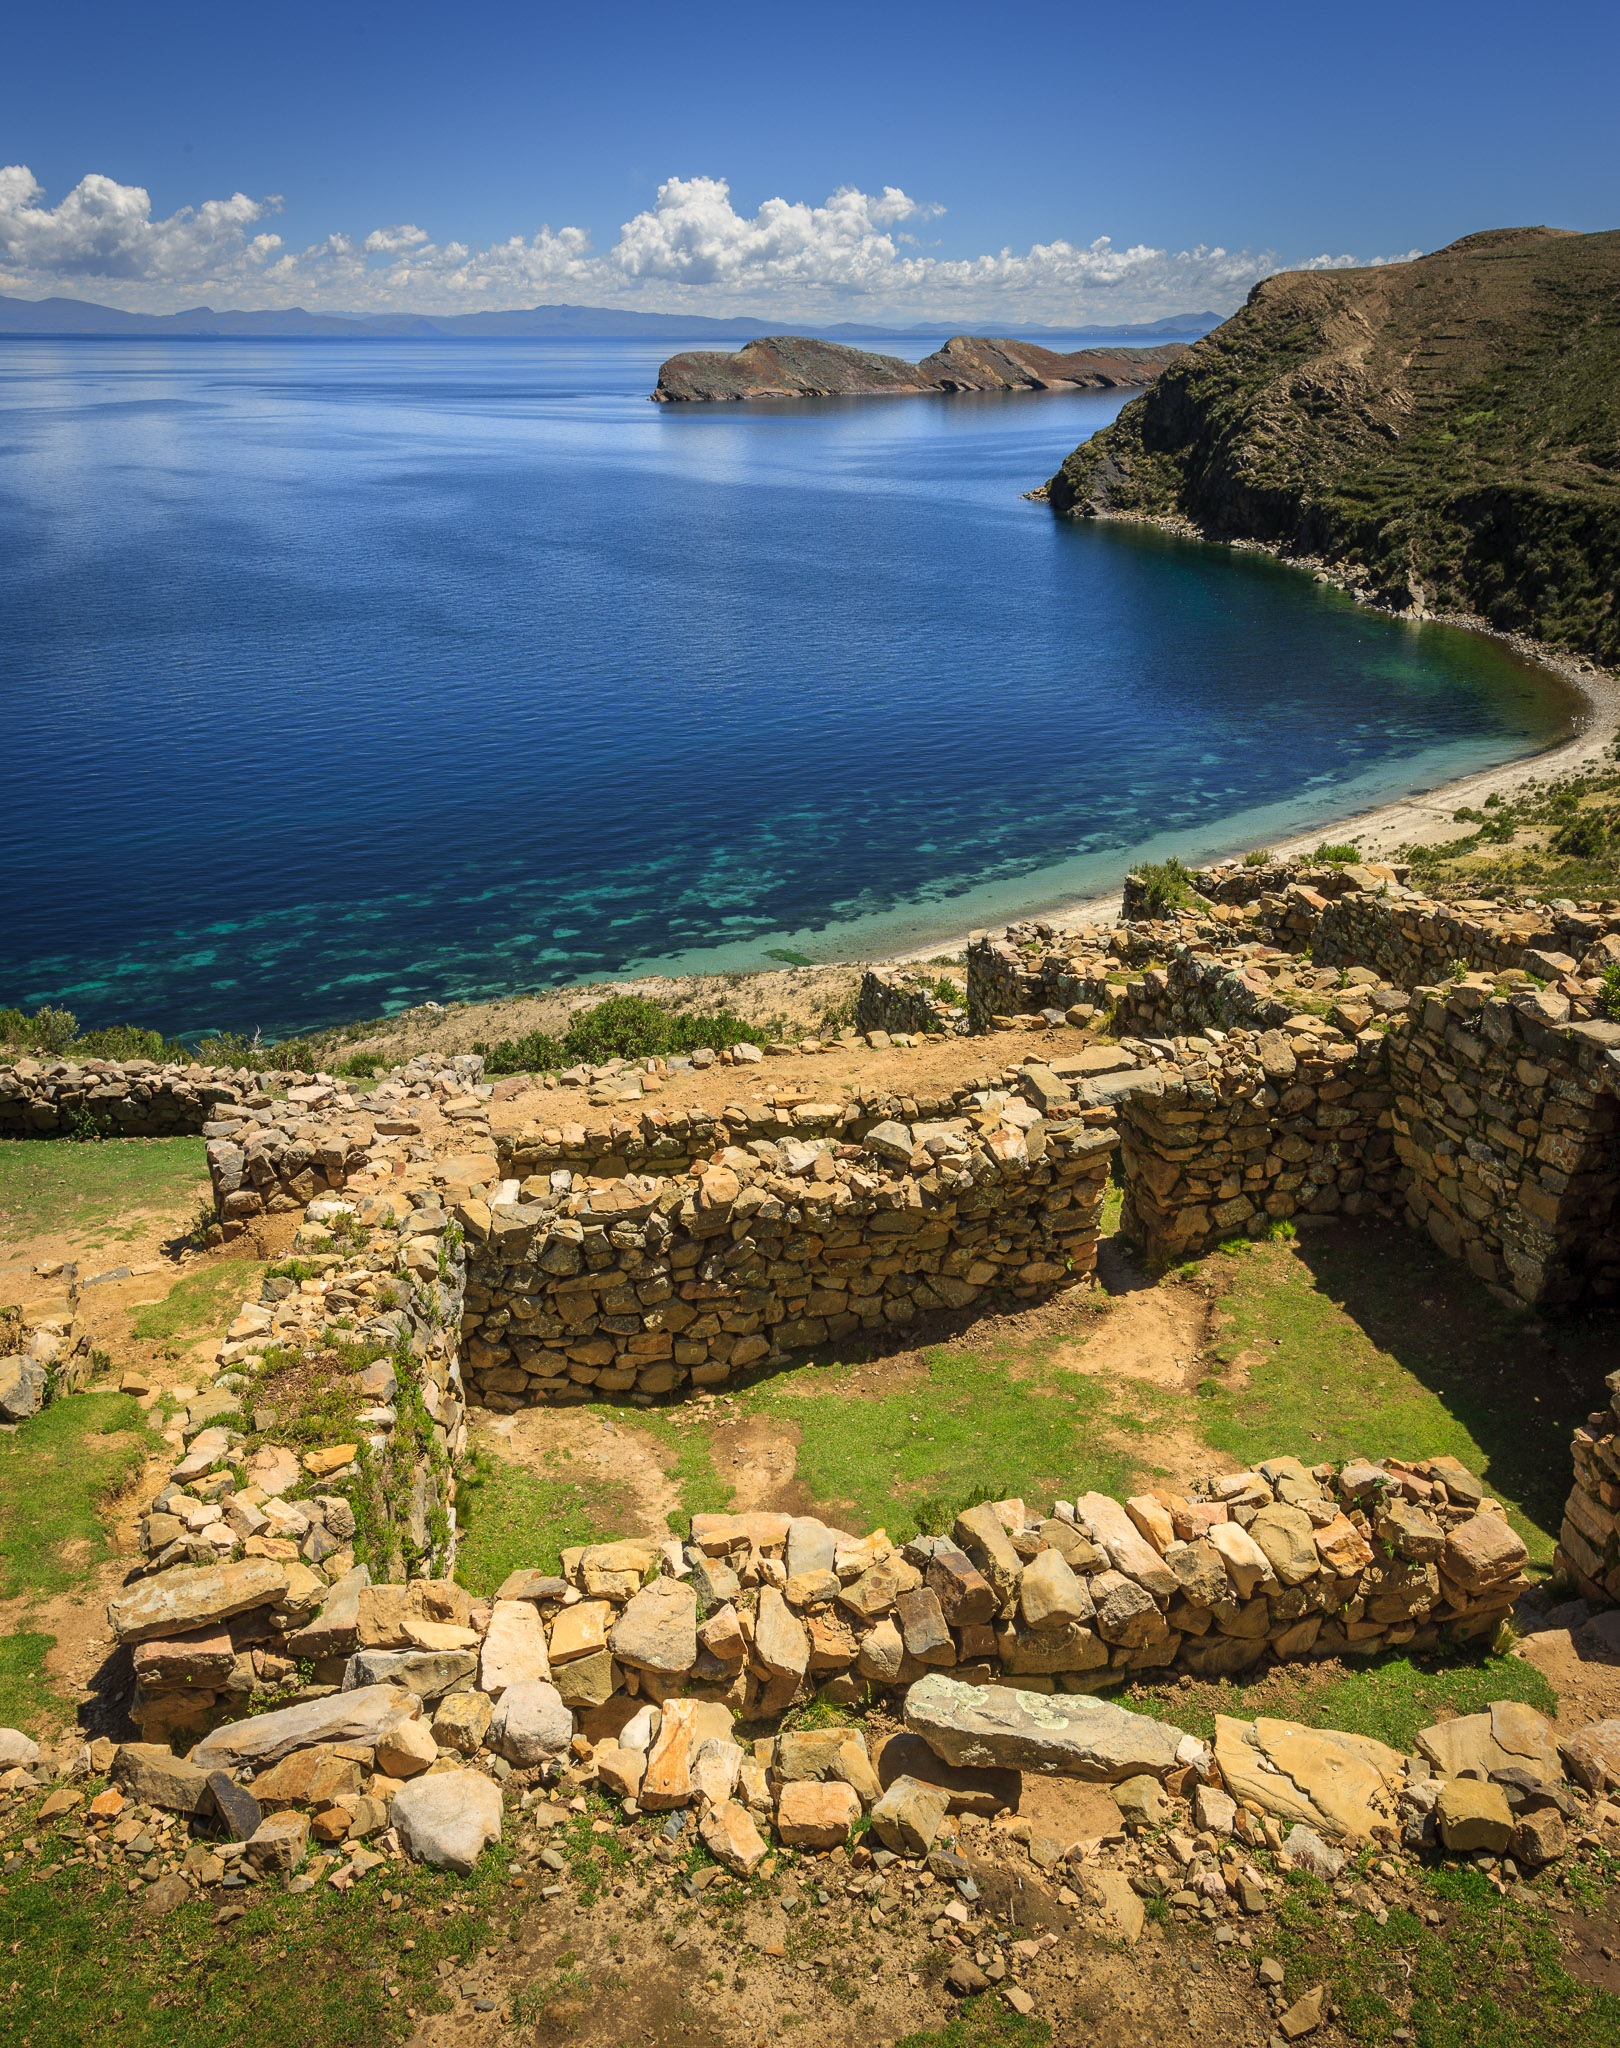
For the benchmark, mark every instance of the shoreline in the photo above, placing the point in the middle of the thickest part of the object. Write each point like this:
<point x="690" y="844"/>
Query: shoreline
<point x="1425" y="817"/>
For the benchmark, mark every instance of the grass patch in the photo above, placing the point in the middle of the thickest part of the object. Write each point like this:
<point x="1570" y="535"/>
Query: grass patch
<point x="1390" y="1699"/>
<point x="1491" y="1975"/>
<point x="983" y="2022"/>
<point x="26" y="1698"/>
<point x="510" y="1516"/>
<point x="97" y="1193"/>
<point x="200" y="1304"/>
<point x="1364" y="1341"/>
<point x="296" y="1972"/>
<point x="965" y="1430"/>
<point x="54" y="1475"/>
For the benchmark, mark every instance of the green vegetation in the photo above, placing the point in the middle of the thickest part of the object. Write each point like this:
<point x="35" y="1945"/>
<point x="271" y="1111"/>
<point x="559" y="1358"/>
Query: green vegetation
<point x="26" y="1697"/>
<point x="1553" y="838"/>
<point x="1166" y="885"/>
<point x="96" y="1193"/>
<point x="1473" y="469"/>
<point x="1258" y="857"/>
<point x="202" y="1302"/>
<point x="622" y="1027"/>
<point x="1491" y="1974"/>
<point x="1341" y="856"/>
<point x="510" y="1518"/>
<point x="54" y="1475"/>
<point x="309" y="1972"/>
<point x="972" y="1426"/>
<point x="1367" y="1342"/>
<point x="983" y="2022"/>
<point x="1389" y="1699"/>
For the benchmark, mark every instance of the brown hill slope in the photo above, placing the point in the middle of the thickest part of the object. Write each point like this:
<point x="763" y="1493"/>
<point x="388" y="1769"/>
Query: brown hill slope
<point x="798" y="366"/>
<point x="1448" y="430"/>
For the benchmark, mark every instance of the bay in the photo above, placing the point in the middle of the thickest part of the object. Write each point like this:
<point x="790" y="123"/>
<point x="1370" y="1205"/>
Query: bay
<point x="340" y="676"/>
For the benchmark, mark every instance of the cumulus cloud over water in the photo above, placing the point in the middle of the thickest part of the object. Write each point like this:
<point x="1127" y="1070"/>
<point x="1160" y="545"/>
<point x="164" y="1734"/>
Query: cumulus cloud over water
<point x="856" y="256"/>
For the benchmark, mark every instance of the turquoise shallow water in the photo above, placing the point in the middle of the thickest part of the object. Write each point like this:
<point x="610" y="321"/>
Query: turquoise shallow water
<point x="337" y="677"/>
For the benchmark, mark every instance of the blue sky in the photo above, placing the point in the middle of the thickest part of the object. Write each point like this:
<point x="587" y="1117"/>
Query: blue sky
<point x="247" y="157"/>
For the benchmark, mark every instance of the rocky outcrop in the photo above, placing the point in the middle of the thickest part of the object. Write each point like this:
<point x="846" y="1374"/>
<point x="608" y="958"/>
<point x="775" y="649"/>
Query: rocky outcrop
<point x="1444" y="430"/>
<point x="798" y="366"/>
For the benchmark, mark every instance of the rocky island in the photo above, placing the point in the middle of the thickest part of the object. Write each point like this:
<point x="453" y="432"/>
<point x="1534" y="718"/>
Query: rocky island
<point x="799" y="366"/>
<point x="1445" y="432"/>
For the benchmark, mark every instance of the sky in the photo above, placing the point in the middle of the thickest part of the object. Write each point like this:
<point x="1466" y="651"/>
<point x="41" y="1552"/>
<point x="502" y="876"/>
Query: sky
<point x="947" y="162"/>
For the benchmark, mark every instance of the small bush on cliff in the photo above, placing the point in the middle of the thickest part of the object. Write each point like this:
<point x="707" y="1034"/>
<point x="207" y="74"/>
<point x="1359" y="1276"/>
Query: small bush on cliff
<point x="1258" y="857"/>
<point x="1609" y="994"/>
<point x="1166" y="885"/>
<point x="55" y="1034"/>
<point x="1337" y="856"/>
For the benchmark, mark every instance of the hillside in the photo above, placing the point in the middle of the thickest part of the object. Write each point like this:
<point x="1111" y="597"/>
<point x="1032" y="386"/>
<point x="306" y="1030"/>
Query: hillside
<point x="1448" y="431"/>
<point x="799" y="366"/>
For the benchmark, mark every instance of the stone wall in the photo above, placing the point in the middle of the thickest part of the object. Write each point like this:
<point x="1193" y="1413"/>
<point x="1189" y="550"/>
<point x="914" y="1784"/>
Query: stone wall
<point x="901" y="999"/>
<point x="1506" y="1127"/>
<point x="644" y="1283"/>
<point x="132" y="1099"/>
<point x="1259" y="1126"/>
<point x="757" y="1612"/>
<point x="1589" y="1542"/>
<point x="44" y="1350"/>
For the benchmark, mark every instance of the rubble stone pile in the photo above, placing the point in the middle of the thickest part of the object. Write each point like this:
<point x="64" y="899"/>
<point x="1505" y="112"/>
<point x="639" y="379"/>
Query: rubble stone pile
<point x="1589" y="1542"/>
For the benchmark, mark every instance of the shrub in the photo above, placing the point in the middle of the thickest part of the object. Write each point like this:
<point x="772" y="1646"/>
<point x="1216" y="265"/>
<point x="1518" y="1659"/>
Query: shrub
<point x="1585" y="837"/>
<point x="1166" y="885"/>
<point x="361" y="1066"/>
<point x="1258" y="857"/>
<point x="1609" y="994"/>
<point x="1337" y="856"/>
<point x="624" y="1027"/>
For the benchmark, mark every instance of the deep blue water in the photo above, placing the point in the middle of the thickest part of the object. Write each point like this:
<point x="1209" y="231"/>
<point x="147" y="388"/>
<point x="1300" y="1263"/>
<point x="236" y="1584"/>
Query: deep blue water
<point x="336" y="677"/>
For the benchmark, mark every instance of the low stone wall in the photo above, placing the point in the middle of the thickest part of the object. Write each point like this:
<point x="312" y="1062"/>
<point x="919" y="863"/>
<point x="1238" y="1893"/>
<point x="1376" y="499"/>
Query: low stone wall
<point x="134" y="1099"/>
<point x="651" y="1282"/>
<point x="1589" y="1542"/>
<point x="1261" y="1126"/>
<point x="1415" y="941"/>
<point x="757" y="1612"/>
<point x="1590" y="1537"/>
<point x="44" y="1351"/>
<point x="900" y="999"/>
<point x="1506" y="1128"/>
<point x="1236" y="882"/>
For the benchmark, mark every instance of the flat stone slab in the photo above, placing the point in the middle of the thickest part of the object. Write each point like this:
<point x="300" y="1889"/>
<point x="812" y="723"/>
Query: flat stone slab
<point x="176" y="1602"/>
<point x="980" y="1727"/>
<point x="1343" y="1786"/>
<point x="359" y="1716"/>
<point x="448" y="1818"/>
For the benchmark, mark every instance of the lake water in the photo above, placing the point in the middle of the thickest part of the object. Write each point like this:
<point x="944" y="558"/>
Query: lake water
<point x="338" y="677"/>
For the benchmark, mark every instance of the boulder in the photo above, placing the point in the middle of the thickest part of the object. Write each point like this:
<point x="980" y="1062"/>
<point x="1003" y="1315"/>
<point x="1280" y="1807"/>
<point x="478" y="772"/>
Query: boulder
<point x="1592" y="1756"/>
<point x="1308" y="1852"/>
<point x="1288" y="1538"/>
<point x="732" y="1839"/>
<point x="1507" y="1735"/>
<point x="780" y="1641"/>
<point x="1482" y="1552"/>
<point x="614" y="1571"/>
<point x="580" y="1631"/>
<point x="359" y="1717"/>
<point x="152" y="1773"/>
<point x="1050" y="1594"/>
<point x="923" y="1628"/>
<point x="1473" y="1815"/>
<point x="1118" y="1907"/>
<point x="428" y="1674"/>
<point x="407" y="1750"/>
<point x="979" y="1535"/>
<point x="985" y="1792"/>
<point x="174" y="1603"/>
<point x="448" y="1818"/>
<point x="514" y="1647"/>
<point x="309" y="1777"/>
<point x="658" y="1629"/>
<point x="279" y="1842"/>
<point x="462" y="1720"/>
<point x="17" y="1748"/>
<point x="621" y="1770"/>
<point x="980" y="1725"/>
<point x="1247" y="1565"/>
<point x="1344" y="1786"/>
<point x="530" y="1723"/>
<point x="1126" y="1548"/>
<point x="966" y="1597"/>
<point x="587" y="1681"/>
<point x="1142" y="1799"/>
<point x="816" y="1816"/>
<point x="236" y="1806"/>
<point x="908" y="1816"/>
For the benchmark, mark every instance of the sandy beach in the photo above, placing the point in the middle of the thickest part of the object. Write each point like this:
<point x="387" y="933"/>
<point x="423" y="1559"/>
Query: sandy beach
<point x="1426" y="817"/>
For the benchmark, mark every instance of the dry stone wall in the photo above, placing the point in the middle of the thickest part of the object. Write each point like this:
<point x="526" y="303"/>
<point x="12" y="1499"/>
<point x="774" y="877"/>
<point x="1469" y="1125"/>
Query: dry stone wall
<point x="1505" y="1126"/>
<point x="1589" y="1541"/>
<point x="1243" y="1128"/>
<point x="132" y="1098"/>
<point x="899" y="999"/>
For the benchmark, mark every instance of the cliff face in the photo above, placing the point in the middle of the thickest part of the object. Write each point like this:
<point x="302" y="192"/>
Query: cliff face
<point x="1448" y="430"/>
<point x="796" y="366"/>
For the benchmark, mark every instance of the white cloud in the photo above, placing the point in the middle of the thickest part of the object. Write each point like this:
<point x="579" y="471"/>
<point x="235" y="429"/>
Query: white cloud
<point x="691" y="250"/>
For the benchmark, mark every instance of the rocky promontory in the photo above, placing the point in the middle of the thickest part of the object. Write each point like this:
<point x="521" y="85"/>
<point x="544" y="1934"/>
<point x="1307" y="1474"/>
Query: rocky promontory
<point x="799" y="366"/>
<point x="1445" y="431"/>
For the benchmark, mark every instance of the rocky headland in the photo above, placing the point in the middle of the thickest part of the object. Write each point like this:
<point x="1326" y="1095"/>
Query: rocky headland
<point x="1443" y="433"/>
<point x="799" y="366"/>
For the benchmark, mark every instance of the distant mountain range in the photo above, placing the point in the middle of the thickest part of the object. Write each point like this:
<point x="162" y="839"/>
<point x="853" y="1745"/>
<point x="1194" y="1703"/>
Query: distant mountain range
<point x="75" y="317"/>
